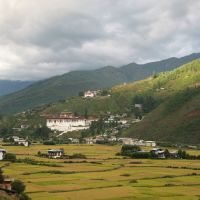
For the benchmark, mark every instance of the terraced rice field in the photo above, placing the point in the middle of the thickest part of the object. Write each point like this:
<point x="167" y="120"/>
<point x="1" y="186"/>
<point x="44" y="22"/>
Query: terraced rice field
<point x="103" y="175"/>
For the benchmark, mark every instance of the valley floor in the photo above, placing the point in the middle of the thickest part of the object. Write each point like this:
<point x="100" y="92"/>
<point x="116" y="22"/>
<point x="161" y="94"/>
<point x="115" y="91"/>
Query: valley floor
<point x="104" y="176"/>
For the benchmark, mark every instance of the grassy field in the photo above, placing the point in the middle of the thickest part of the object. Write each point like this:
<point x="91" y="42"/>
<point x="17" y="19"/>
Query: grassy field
<point x="104" y="175"/>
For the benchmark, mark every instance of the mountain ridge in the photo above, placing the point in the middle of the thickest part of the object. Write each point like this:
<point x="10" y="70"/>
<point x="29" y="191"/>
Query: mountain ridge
<point x="70" y="84"/>
<point x="9" y="86"/>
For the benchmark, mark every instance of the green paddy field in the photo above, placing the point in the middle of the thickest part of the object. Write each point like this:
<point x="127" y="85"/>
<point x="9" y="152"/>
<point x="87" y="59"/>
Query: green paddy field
<point x="103" y="175"/>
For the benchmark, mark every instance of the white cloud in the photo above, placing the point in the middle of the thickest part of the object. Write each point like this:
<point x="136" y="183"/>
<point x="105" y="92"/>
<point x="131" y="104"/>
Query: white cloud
<point x="42" y="38"/>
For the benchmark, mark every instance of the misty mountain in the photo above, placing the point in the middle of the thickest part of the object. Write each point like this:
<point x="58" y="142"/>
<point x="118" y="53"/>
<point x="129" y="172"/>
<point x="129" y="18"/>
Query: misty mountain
<point x="70" y="84"/>
<point x="7" y="86"/>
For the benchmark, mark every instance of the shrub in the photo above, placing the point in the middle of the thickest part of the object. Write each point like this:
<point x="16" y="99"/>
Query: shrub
<point x="18" y="186"/>
<point x="78" y="155"/>
<point x="49" y="143"/>
<point x="10" y="157"/>
<point x="125" y="174"/>
<point x="128" y="150"/>
<point x="24" y="196"/>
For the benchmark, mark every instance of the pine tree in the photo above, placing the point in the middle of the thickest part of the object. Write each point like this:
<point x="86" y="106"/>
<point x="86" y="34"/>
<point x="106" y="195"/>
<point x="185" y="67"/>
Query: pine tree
<point x="1" y="176"/>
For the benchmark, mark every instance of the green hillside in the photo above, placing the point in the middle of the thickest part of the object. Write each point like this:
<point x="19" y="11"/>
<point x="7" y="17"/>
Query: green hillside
<point x="176" y="116"/>
<point x="171" y="106"/>
<point x="70" y="84"/>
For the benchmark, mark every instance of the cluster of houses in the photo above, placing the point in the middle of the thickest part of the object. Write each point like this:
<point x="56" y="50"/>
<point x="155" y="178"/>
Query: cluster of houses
<point x="67" y="122"/>
<point x="137" y="142"/>
<point x="124" y="141"/>
<point x="20" y="141"/>
<point x="93" y="93"/>
<point x="160" y="153"/>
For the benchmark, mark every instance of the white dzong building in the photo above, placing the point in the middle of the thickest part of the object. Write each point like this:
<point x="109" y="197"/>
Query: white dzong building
<point x="66" y="122"/>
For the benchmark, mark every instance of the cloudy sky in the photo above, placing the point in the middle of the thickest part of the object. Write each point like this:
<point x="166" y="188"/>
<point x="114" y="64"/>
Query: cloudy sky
<point x="42" y="38"/>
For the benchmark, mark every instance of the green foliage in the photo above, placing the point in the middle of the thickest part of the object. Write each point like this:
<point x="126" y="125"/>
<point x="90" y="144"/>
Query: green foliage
<point x="42" y="133"/>
<point x="141" y="155"/>
<point x="49" y="143"/>
<point x="24" y="196"/>
<point x="104" y="92"/>
<point x="78" y="156"/>
<point x="18" y="186"/>
<point x="180" y="98"/>
<point x="10" y="157"/>
<point x="147" y="101"/>
<point x="1" y="176"/>
<point x="167" y="154"/>
<point x="128" y="150"/>
<point x="81" y="94"/>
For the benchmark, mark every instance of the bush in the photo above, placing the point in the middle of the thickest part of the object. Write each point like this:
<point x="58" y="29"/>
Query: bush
<point x="141" y="155"/>
<point x="78" y="156"/>
<point x="1" y="176"/>
<point x="18" y="186"/>
<point x="128" y="150"/>
<point x="10" y="157"/>
<point x="49" y="143"/>
<point x="125" y="175"/>
<point x="24" y="196"/>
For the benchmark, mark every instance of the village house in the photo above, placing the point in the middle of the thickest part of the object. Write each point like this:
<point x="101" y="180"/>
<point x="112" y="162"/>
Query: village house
<point x="90" y="140"/>
<point x="23" y="142"/>
<point x="90" y="94"/>
<point x="7" y="183"/>
<point x="2" y="154"/>
<point x="20" y="141"/>
<point x="55" y="153"/>
<point x="139" y="106"/>
<point x="137" y="142"/>
<point x="126" y="141"/>
<point x="66" y="122"/>
<point x="158" y="152"/>
<point x="150" y="143"/>
<point x="74" y="140"/>
<point x="99" y="138"/>
<point x="112" y="139"/>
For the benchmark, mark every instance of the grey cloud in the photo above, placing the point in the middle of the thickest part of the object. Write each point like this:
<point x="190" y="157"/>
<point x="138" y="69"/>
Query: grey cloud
<point x="42" y="38"/>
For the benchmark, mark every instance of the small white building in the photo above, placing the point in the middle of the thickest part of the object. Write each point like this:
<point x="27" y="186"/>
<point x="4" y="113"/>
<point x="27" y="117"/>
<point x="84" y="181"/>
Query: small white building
<point x="23" y="142"/>
<point x="90" y="94"/>
<point x="139" y="106"/>
<point x="158" y="152"/>
<point x="112" y="139"/>
<point x="2" y="154"/>
<point x="126" y="141"/>
<point x="90" y="140"/>
<point x="55" y="153"/>
<point x="150" y="143"/>
<point x="20" y="141"/>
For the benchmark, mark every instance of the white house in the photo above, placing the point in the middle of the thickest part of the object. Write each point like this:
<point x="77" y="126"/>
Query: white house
<point x="67" y="123"/>
<point x="127" y="141"/>
<point x="139" y="106"/>
<point x="55" y="153"/>
<point x="90" y="94"/>
<point x="20" y="141"/>
<point x="2" y="154"/>
<point x="23" y="142"/>
<point x="158" y="152"/>
<point x="90" y="140"/>
<point x="150" y="143"/>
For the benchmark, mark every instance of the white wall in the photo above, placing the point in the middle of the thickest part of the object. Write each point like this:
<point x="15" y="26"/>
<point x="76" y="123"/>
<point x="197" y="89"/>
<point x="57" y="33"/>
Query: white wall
<point x="66" y="125"/>
<point x="1" y="155"/>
